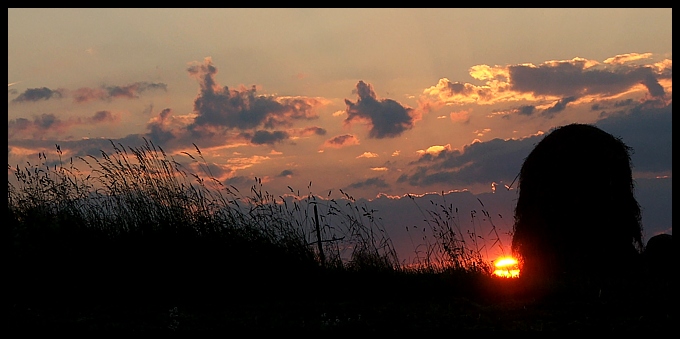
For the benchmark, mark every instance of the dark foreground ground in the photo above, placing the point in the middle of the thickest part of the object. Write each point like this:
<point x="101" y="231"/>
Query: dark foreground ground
<point x="358" y="303"/>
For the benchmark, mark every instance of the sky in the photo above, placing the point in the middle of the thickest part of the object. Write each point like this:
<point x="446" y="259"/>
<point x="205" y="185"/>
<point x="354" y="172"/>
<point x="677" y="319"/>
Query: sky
<point x="378" y="103"/>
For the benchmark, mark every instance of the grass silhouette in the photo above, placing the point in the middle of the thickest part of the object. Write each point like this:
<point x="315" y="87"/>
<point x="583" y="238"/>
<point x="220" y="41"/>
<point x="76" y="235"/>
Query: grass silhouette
<point x="136" y="242"/>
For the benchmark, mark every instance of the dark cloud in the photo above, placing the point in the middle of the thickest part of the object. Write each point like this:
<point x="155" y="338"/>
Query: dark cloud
<point x="285" y="173"/>
<point x="243" y="108"/>
<point x="655" y="89"/>
<point x="46" y="121"/>
<point x="481" y="162"/>
<point x="566" y="79"/>
<point x="37" y="127"/>
<point x="526" y="109"/>
<point x="17" y="125"/>
<point x="131" y="91"/>
<point x="647" y="128"/>
<point x="238" y="180"/>
<point x="313" y="130"/>
<point x="387" y="118"/>
<point x="103" y="116"/>
<point x="559" y="106"/>
<point x="265" y="137"/>
<point x="341" y="141"/>
<point x="624" y="103"/>
<point x="371" y="182"/>
<point x="49" y="122"/>
<point x="607" y="104"/>
<point x="36" y="94"/>
<point x="158" y="130"/>
<point x="466" y="90"/>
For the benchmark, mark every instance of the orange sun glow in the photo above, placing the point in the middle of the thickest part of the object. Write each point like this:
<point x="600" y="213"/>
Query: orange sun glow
<point x="506" y="267"/>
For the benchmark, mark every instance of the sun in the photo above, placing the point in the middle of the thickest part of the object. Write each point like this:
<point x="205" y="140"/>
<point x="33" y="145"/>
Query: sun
<point x="506" y="267"/>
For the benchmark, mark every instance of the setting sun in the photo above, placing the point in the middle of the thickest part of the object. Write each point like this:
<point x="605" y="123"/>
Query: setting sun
<point x="506" y="267"/>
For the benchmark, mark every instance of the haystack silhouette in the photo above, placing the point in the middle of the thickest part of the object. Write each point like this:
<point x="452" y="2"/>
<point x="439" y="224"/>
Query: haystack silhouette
<point x="576" y="215"/>
<point x="658" y="256"/>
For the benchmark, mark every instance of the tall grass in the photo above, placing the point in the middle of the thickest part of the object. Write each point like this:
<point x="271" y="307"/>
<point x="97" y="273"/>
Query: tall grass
<point x="140" y="210"/>
<point x="454" y="246"/>
<point x="135" y="219"/>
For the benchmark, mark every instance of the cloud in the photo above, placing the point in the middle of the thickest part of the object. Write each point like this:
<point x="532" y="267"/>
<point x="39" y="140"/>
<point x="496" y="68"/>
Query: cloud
<point x="160" y="130"/>
<point x="230" y="117"/>
<point x="39" y="125"/>
<point x="103" y="116"/>
<point x="314" y="130"/>
<point x="448" y="92"/>
<point x="48" y="123"/>
<point x="481" y="132"/>
<point x="238" y="180"/>
<point x="131" y="91"/>
<point x="624" y="58"/>
<point x="647" y="128"/>
<point x="341" y="141"/>
<point x="526" y="109"/>
<point x="37" y="94"/>
<point x="371" y="182"/>
<point x="573" y="78"/>
<point x="386" y="118"/>
<point x="286" y="173"/>
<point x="265" y="137"/>
<point x="523" y="110"/>
<point x="601" y="105"/>
<point x="243" y="108"/>
<point x="461" y="116"/>
<point x="551" y="80"/>
<point x="434" y="150"/>
<point x="559" y="106"/>
<point x="480" y="162"/>
<point x="368" y="155"/>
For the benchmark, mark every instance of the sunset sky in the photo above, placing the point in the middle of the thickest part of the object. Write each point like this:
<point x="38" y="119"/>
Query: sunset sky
<point x="376" y="102"/>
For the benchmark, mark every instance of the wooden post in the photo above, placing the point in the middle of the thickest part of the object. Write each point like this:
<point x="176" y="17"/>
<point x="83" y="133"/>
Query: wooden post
<point x="318" y="237"/>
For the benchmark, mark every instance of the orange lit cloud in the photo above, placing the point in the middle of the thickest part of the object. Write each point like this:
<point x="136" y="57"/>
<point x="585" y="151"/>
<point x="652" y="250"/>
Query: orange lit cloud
<point x="480" y="133"/>
<point x="623" y="58"/>
<point x="368" y="155"/>
<point x="447" y="92"/>
<point x="434" y="150"/>
<point x="461" y="116"/>
<point x="552" y="80"/>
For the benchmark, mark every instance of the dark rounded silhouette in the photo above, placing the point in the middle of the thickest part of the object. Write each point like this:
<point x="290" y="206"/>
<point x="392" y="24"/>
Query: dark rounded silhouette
<point x="658" y="256"/>
<point x="576" y="214"/>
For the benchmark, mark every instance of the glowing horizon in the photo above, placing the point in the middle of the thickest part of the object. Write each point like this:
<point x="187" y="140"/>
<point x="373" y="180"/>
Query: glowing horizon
<point x="506" y="267"/>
